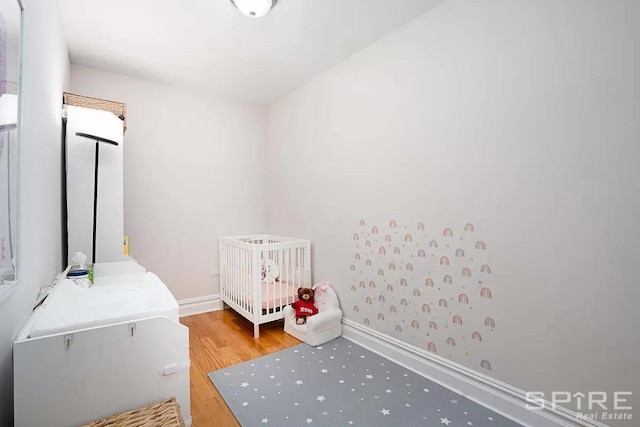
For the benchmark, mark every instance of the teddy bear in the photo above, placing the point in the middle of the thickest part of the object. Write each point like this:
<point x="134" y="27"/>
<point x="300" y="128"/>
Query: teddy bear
<point x="304" y="306"/>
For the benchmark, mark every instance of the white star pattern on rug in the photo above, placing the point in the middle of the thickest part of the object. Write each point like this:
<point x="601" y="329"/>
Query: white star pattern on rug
<point x="342" y="390"/>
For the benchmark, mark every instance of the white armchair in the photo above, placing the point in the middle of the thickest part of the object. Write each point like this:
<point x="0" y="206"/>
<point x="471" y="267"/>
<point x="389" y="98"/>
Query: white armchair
<point x="319" y="328"/>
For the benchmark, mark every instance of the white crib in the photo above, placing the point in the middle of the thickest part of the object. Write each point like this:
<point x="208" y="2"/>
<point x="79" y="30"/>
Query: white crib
<point x="260" y="274"/>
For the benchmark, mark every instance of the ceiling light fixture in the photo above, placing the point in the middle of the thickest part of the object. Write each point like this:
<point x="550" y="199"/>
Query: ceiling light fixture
<point x="254" y="8"/>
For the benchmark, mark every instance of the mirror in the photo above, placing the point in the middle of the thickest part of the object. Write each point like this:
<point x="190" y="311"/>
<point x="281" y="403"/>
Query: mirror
<point x="10" y="32"/>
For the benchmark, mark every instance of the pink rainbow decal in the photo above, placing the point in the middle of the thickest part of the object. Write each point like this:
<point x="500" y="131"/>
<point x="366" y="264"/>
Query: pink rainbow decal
<point x="433" y="325"/>
<point x="416" y="293"/>
<point x="357" y="256"/>
<point x="353" y="267"/>
<point x="466" y="272"/>
<point x="368" y="262"/>
<point x="372" y="284"/>
<point x="392" y="224"/>
<point x="409" y="266"/>
<point x="403" y="282"/>
<point x="485" y="293"/>
<point x="428" y="282"/>
<point x="451" y="342"/>
<point x="392" y="266"/>
<point x="457" y="320"/>
<point x="426" y="308"/>
<point x="421" y="253"/>
<point x="392" y="308"/>
<point x="420" y="226"/>
<point x="408" y="238"/>
<point x="367" y="244"/>
<point x="447" y="279"/>
<point x="380" y="272"/>
<point x="469" y="227"/>
<point x="356" y="309"/>
<point x="415" y="324"/>
<point x="387" y="238"/>
<point x="353" y="288"/>
<point x="366" y="321"/>
<point x="463" y="298"/>
<point x="403" y="302"/>
<point x="485" y="365"/>
<point x="381" y="298"/>
<point x="382" y="250"/>
<point x="362" y="222"/>
<point x="431" y="347"/>
<point x="433" y="244"/>
<point x="442" y="302"/>
<point x="485" y="269"/>
<point x="481" y="245"/>
<point x="380" y="316"/>
<point x="361" y="284"/>
<point x="447" y="232"/>
<point x="489" y="322"/>
<point x="390" y="288"/>
<point x="398" y="328"/>
<point x="476" y="336"/>
<point x="368" y="300"/>
<point x="396" y="250"/>
<point x="374" y="230"/>
<point x="460" y="252"/>
<point x="444" y="260"/>
<point x="356" y="236"/>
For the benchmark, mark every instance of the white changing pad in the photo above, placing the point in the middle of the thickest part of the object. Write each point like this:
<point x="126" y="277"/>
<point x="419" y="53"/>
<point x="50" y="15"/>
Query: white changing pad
<point x="118" y="299"/>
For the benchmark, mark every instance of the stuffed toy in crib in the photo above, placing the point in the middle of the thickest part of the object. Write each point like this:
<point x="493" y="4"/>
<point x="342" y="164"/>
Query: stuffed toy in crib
<point x="304" y="306"/>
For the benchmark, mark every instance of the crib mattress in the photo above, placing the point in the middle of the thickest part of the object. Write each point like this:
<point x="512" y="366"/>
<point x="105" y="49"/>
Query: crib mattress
<point x="119" y="299"/>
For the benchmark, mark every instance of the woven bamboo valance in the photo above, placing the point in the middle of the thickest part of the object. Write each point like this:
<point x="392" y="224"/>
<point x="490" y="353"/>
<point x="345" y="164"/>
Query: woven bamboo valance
<point x="117" y="108"/>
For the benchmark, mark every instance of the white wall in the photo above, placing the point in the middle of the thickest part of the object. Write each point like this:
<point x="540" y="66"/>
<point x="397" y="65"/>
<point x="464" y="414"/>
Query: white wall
<point x="193" y="171"/>
<point x="45" y="75"/>
<point x="518" y="117"/>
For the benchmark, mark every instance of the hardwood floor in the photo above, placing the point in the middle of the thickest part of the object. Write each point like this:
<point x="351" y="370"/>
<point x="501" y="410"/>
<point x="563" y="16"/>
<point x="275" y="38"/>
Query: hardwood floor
<point x="217" y="340"/>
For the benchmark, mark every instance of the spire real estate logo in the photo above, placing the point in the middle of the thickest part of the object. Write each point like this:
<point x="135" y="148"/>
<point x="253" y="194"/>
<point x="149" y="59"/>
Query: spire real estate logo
<point x="594" y="405"/>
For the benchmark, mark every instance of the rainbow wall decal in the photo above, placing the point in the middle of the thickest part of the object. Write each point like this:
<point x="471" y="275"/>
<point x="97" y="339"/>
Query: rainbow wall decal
<point x="428" y="282"/>
<point x="398" y="328"/>
<point x="362" y="222"/>
<point x="380" y="272"/>
<point x="380" y="316"/>
<point x="421" y="253"/>
<point x="403" y="282"/>
<point x="356" y="236"/>
<point x="415" y="324"/>
<point x="409" y="266"/>
<point x="485" y="365"/>
<point x="447" y="232"/>
<point x="463" y="298"/>
<point x="392" y="266"/>
<point x="353" y="288"/>
<point x="392" y="308"/>
<point x="476" y="336"/>
<point x="368" y="300"/>
<point x="353" y="267"/>
<point x="447" y="279"/>
<point x="417" y="293"/>
<point x="372" y="284"/>
<point x="442" y="302"/>
<point x="489" y="322"/>
<point x="392" y="224"/>
<point x="382" y="250"/>
<point x="457" y="320"/>
<point x="396" y="250"/>
<point x="387" y="238"/>
<point x="460" y="252"/>
<point x="420" y="226"/>
<point x="469" y="227"/>
<point x="433" y="325"/>
<point x="485" y="269"/>
<point x="356" y="309"/>
<point x="485" y="293"/>
<point x="403" y="302"/>
<point x="368" y="262"/>
<point x="451" y="341"/>
<point x="381" y="298"/>
<point x="466" y="272"/>
<point x="408" y="238"/>
<point x="390" y="287"/>
<point x="480" y="245"/>
<point x="374" y="230"/>
<point x="444" y="260"/>
<point x="433" y="244"/>
<point x="366" y="321"/>
<point x="426" y="308"/>
<point x="357" y="256"/>
<point x="431" y="347"/>
<point x="361" y="284"/>
<point x="367" y="244"/>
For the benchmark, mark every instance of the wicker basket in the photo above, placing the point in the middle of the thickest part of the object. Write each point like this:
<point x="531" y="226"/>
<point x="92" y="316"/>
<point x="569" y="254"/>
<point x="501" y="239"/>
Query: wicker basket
<point x="161" y="414"/>
<point x="117" y="108"/>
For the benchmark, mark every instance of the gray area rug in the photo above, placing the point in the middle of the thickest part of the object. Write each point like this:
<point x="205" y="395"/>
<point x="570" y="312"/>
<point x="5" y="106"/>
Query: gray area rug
<point x="342" y="384"/>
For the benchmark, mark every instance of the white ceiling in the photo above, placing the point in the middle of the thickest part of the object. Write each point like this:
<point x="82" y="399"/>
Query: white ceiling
<point x="209" y="44"/>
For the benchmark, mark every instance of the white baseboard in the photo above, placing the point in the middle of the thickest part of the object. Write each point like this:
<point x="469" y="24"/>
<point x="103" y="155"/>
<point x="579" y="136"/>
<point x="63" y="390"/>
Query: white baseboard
<point x="495" y="395"/>
<point x="191" y="306"/>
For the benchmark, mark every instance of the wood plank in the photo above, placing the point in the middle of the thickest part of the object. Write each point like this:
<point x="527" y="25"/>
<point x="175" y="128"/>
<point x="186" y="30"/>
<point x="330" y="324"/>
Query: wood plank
<point x="218" y="340"/>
